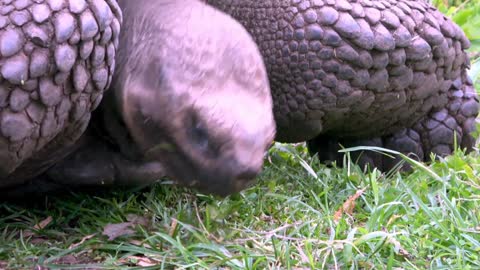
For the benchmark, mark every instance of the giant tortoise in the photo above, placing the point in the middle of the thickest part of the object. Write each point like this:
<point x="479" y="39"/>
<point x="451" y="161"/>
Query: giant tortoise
<point x="189" y="97"/>
<point x="105" y="92"/>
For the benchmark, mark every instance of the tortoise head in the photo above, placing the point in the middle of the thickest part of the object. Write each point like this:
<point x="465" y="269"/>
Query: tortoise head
<point x="192" y="89"/>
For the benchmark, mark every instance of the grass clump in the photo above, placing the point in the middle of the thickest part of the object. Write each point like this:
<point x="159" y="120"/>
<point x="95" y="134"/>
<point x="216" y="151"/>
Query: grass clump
<point x="301" y="215"/>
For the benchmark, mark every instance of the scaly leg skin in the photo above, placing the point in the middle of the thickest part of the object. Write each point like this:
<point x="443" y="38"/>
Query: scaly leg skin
<point x="327" y="150"/>
<point x="98" y="164"/>
<point x="457" y="119"/>
<point x="94" y="165"/>
<point x="406" y="141"/>
<point x="433" y="134"/>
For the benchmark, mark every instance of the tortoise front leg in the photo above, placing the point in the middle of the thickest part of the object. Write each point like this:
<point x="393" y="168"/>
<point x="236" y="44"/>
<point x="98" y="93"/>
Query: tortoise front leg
<point x="98" y="164"/>
<point x="94" y="165"/>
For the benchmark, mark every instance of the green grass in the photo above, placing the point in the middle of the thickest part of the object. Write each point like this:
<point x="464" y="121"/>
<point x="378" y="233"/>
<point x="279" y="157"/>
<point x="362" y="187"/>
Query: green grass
<point x="299" y="215"/>
<point x="428" y="219"/>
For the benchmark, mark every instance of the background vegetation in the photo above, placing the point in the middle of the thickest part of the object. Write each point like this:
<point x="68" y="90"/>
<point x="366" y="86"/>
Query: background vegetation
<point x="300" y="215"/>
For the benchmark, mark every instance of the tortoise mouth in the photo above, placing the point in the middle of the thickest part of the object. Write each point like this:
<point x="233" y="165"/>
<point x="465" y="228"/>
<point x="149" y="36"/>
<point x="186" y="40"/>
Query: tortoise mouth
<point x="214" y="183"/>
<point x="221" y="178"/>
<point x="219" y="187"/>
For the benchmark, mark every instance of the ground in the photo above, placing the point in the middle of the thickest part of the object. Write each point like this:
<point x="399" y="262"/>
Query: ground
<point x="300" y="215"/>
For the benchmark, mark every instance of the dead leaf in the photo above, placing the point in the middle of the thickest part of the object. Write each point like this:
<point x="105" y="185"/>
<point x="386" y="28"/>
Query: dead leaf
<point x="139" y="261"/>
<point x="303" y="256"/>
<point x="116" y="230"/>
<point x="348" y="205"/>
<point x="43" y="223"/>
<point x="27" y="233"/>
<point x="139" y="243"/>
<point x="125" y="228"/>
<point x="135" y="219"/>
<point x="145" y="263"/>
<point x="85" y="238"/>
<point x="68" y="259"/>
<point x="403" y="252"/>
<point x="266" y="218"/>
<point x="72" y="259"/>
<point x="173" y="227"/>
<point x="392" y="219"/>
<point x="34" y="237"/>
<point x="38" y="240"/>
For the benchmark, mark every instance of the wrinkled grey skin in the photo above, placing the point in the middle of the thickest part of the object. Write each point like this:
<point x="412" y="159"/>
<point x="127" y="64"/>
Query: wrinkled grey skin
<point x="389" y="73"/>
<point x="189" y="99"/>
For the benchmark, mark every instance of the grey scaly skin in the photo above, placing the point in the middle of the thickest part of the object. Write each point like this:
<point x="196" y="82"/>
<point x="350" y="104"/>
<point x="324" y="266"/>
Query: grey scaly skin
<point x="189" y="99"/>
<point x="388" y="73"/>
